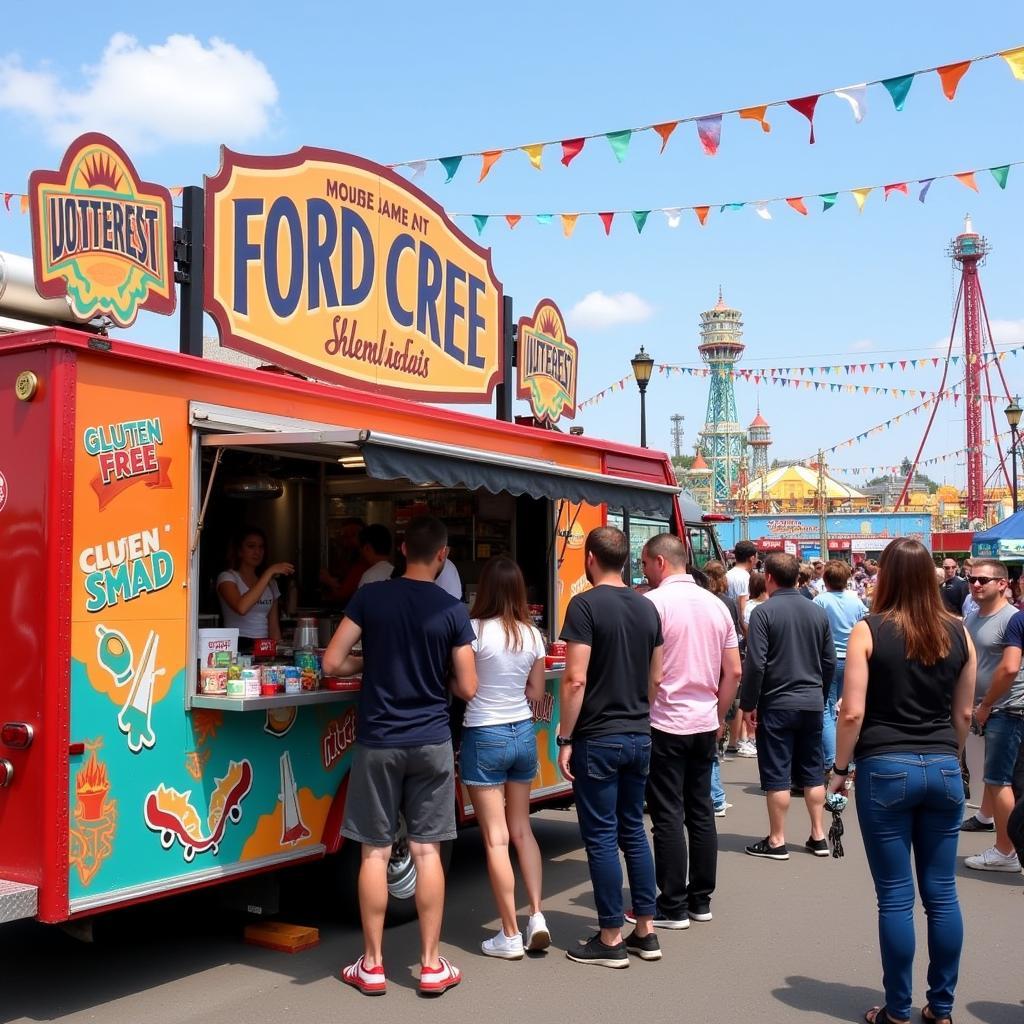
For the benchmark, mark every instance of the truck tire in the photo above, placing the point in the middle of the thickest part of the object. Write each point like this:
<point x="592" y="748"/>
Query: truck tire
<point x="401" y="880"/>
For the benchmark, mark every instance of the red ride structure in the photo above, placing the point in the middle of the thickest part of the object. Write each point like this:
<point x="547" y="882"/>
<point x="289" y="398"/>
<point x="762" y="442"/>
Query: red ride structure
<point x="969" y="250"/>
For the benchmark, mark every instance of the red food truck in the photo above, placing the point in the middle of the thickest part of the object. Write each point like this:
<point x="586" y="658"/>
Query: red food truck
<point x="124" y="776"/>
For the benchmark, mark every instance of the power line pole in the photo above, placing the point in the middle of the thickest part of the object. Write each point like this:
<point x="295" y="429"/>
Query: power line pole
<point x="822" y="508"/>
<point x="677" y="434"/>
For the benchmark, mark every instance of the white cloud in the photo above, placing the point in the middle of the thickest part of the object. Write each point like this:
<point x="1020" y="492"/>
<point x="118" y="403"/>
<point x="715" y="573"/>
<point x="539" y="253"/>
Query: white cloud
<point x="599" y="310"/>
<point x="864" y="345"/>
<point x="1007" y="333"/>
<point x="178" y="91"/>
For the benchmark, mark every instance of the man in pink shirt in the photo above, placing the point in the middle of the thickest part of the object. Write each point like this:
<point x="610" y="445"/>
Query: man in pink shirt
<point x="700" y="674"/>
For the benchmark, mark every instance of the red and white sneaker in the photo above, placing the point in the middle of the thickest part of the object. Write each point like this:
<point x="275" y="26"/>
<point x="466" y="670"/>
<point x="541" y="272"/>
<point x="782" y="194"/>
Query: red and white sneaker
<point x="435" y="980"/>
<point x="369" y="980"/>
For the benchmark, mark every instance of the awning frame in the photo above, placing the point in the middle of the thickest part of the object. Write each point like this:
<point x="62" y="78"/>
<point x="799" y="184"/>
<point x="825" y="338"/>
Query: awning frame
<point x="233" y="428"/>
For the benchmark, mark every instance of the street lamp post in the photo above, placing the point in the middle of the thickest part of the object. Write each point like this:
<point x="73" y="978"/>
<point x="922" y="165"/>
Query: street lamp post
<point x="1013" y="414"/>
<point x="643" y="364"/>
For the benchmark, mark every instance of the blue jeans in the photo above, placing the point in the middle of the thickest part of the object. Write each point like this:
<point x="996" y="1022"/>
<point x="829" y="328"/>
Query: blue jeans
<point x="610" y="778"/>
<point x="717" y="789"/>
<point x="914" y="802"/>
<point x="831" y="715"/>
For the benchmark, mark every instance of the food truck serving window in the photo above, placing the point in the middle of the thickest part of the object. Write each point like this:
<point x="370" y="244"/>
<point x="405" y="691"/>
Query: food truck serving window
<point x="391" y="457"/>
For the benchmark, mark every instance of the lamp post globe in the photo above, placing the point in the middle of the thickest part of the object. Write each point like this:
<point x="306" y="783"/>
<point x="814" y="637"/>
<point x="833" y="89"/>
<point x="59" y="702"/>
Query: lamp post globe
<point x="643" y="365"/>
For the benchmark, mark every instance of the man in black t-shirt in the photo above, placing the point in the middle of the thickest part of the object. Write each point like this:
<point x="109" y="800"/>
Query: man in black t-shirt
<point x="952" y="589"/>
<point x="604" y="739"/>
<point x="412" y="633"/>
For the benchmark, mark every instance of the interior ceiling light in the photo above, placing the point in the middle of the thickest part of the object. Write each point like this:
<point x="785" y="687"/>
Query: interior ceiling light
<point x="257" y="486"/>
<point x="352" y="461"/>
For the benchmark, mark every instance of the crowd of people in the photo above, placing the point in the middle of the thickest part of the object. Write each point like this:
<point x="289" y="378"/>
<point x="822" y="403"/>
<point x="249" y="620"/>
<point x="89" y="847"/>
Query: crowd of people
<point x="789" y="664"/>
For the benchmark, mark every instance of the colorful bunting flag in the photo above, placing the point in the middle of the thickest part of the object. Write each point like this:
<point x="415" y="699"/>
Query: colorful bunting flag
<point x="544" y="218"/>
<point x="571" y="149"/>
<point x="896" y="186"/>
<point x="606" y="220"/>
<point x="665" y="131"/>
<point x="856" y="96"/>
<point x="1015" y="58"/>
<point x="619" y="142"/>
<point x="797" y="203"/>
<point x="673" y="216"/>
<point x="8" y="196"/>
<point x="513" y="219"/>
<point x="488" y="160"/>
<point x="450" y="165"/>
<point x="535" y="152"/>
<point x="967" y="178"/>
<point x="925" y="183"/>
<point x="418" y="167"/>
<point x="569" y="223"/>
<point x="828" y="200"/>
<point x="731" y="206"/>
<point x="898" y="88"/>
<point x="702" y="213"/>
<point x="756" y="114"/>
<point x="860" y="195"/>
<point x="950" y="75"/>
<point x="762" y="211"/>
<point x="1001" y="174"/>
<point x="480" y="220"/>
<point x="640" y="219"/>
<point x="709" y="131"/>
<point x="805" y="105"/>
<point x="24" y="204"/>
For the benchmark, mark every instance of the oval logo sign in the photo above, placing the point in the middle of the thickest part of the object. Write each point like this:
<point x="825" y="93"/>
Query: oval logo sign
<point x="338" y="268"/>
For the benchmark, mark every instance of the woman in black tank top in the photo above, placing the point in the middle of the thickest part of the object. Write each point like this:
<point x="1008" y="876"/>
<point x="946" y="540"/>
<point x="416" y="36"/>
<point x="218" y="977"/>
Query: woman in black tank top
<point x="906" y="709"/>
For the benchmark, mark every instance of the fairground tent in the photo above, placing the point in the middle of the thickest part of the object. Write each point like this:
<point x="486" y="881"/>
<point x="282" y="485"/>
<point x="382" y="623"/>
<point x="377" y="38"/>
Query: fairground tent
<point x="1004" y="541"/>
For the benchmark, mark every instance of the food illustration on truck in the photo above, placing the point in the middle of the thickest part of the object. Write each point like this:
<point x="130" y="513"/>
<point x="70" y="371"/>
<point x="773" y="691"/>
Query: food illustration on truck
<point x="172" y="815"/>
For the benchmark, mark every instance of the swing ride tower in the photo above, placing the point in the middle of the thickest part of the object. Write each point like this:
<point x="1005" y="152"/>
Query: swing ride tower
<point x="722" y="440"/>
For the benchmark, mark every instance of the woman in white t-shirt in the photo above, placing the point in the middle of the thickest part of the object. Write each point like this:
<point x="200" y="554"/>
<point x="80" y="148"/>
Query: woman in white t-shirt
<point x="247" y="591"/>
<point x="498" y="758"/>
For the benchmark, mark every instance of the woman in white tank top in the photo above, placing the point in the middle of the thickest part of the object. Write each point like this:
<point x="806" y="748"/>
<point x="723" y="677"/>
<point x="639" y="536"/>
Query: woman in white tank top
<point x="247" y="591"/>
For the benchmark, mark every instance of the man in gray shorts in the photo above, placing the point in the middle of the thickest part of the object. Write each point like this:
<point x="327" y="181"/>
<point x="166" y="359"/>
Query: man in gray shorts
<point x="413" y="634"/>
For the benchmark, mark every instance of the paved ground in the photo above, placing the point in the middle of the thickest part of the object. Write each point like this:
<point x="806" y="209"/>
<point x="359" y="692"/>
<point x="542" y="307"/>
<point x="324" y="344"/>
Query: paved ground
<point x="790" y="941"/>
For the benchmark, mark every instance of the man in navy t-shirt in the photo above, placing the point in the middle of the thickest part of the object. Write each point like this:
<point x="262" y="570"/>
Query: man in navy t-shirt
<point x="414" y="635"/>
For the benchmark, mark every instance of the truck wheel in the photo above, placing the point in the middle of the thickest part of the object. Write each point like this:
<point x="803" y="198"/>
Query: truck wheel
<point x="401" y="879"/>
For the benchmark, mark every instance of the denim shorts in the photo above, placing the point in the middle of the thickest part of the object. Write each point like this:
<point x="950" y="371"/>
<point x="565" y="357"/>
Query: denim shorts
<point x="1003" y="734"/>
<point x="492" y="755"/>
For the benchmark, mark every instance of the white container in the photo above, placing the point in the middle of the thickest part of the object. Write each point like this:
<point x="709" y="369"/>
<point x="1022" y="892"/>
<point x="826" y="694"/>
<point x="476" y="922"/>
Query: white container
<point x="213" y="640"/>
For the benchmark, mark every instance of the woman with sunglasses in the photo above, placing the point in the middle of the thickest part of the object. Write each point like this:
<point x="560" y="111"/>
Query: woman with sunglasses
<point x="907" y="701"/>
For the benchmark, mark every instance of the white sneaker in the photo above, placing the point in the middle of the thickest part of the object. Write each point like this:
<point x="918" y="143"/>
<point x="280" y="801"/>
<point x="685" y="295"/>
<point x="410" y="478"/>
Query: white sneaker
<point x="746" y="749"/>
<point x="720" y="811"/>
<point x="992" y="860"/>
<point x="504" y="947"/>
<point x="537" y="935"/>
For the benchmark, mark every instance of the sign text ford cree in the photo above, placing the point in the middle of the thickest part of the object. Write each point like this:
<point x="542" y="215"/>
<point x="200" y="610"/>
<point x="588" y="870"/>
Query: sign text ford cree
<point x="339" y="269"/>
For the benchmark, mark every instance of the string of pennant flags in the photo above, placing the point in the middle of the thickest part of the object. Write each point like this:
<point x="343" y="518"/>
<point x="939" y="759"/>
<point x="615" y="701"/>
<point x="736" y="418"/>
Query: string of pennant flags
<point x="782" y="376"/>
<point x="933" y="461"/>
<point x="18" y="202"/>
<point x="709" y="126"/>
<point x="762" y="207"/>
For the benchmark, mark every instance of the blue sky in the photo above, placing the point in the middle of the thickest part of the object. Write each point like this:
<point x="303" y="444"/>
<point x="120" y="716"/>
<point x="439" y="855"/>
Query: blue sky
<point x="404" y="81"/>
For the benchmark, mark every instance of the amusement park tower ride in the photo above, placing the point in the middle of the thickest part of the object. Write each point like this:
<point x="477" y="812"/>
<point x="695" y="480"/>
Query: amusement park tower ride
<point x="969" y="250"/>
<point x="759" y="437"/>
<point x="722" y="439"/>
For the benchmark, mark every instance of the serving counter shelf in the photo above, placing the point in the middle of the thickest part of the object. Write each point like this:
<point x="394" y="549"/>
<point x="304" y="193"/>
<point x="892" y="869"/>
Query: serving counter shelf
<point x="283" y="700"/>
